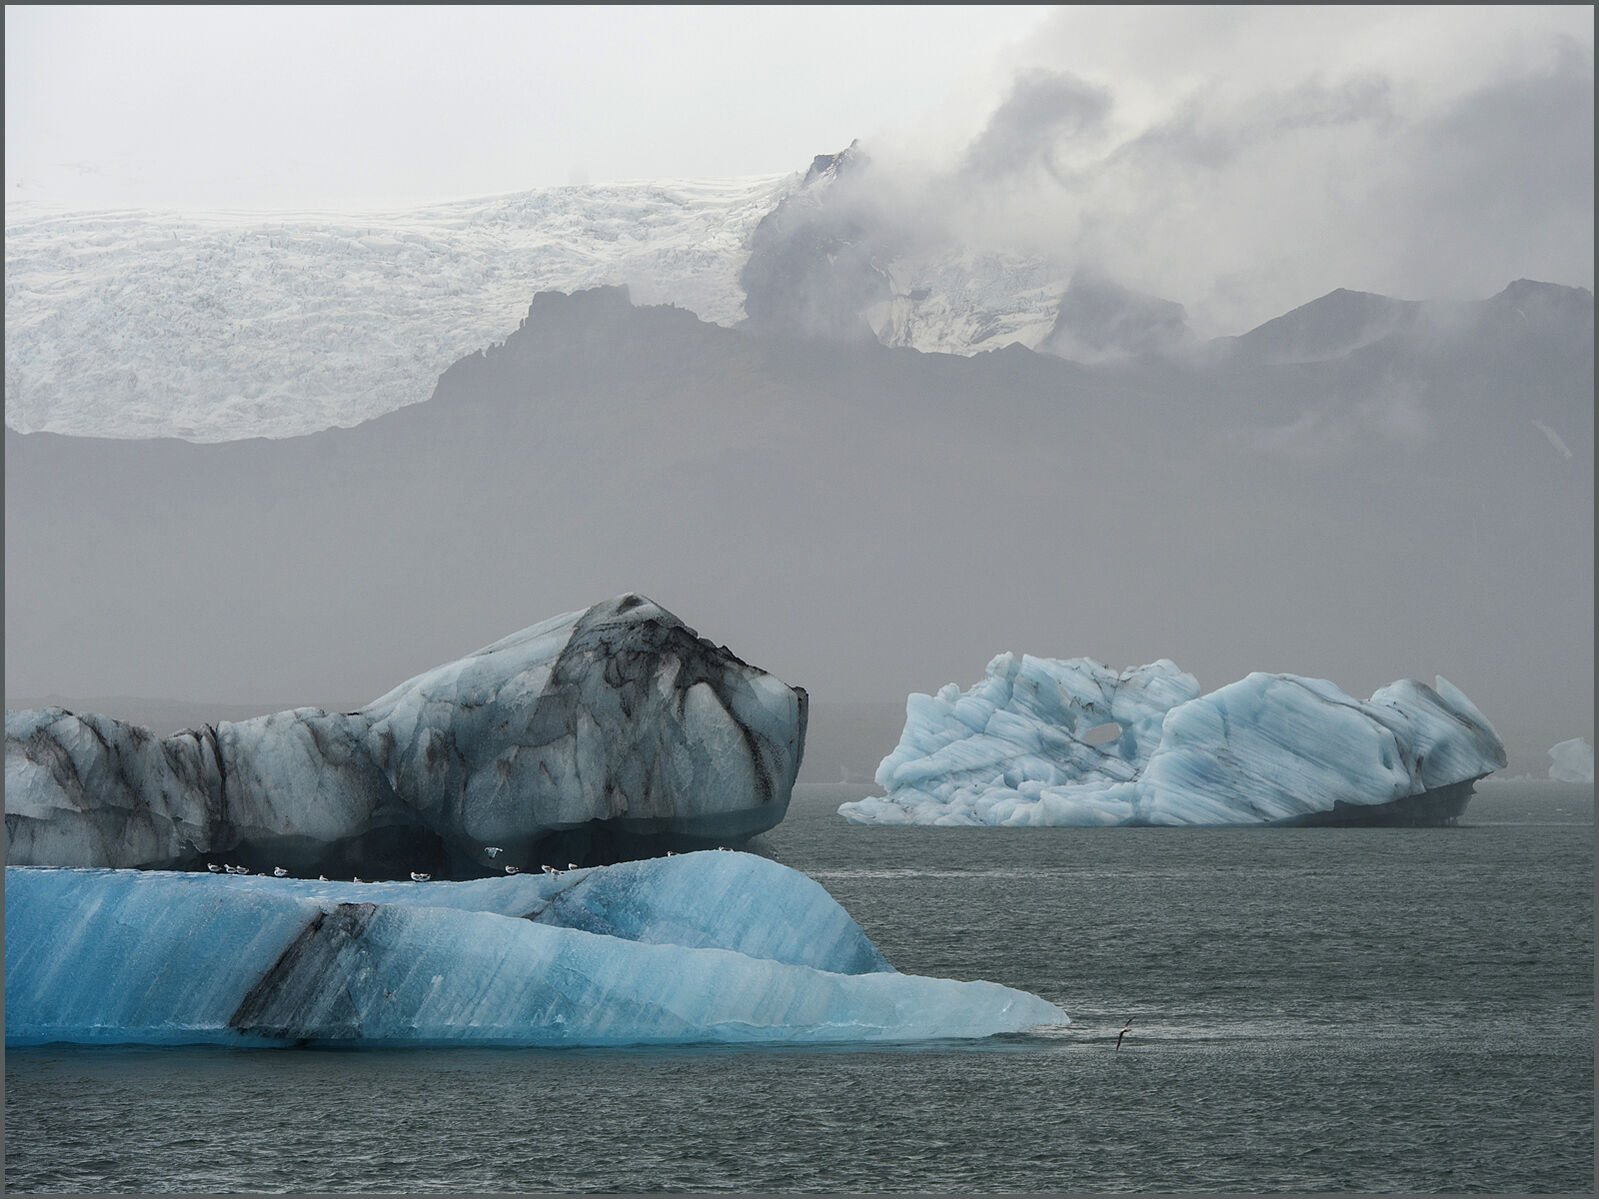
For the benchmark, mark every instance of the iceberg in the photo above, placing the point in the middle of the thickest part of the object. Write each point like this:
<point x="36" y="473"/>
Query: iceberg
<point x="1571" y="761"/>
<point x="1048" y="742"/>
<point x="595" y="736"/>
<point x="698" y="947"/>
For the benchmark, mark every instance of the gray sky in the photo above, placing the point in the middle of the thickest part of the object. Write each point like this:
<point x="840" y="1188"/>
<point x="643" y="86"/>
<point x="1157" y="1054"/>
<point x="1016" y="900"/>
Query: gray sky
<point x="1238" y="160"/>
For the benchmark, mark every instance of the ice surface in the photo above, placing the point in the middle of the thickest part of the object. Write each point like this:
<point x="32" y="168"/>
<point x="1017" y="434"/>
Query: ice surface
<point x="1269" y="748"/>
<point x="593" y="736"/>
<point x="1571" y="761"/>
<point x="227" y="325"/>
<point x="707" y="946"/>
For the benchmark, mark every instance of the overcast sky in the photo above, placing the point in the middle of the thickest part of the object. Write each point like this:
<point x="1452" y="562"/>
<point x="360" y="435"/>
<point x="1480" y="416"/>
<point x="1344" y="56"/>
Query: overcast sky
<point x="1238" y="160"/>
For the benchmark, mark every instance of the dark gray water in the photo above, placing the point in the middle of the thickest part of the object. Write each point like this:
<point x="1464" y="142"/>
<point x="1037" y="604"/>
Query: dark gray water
<point x="1314" y="1010"/>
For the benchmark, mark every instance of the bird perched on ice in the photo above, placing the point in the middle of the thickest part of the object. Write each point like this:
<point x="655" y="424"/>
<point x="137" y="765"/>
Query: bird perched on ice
<point x="493" y="851"/>
<point x="548" y="869"/>
<point x="571" y="865"/>
<point x="238" y="870"/>
<point x="321" y="878"/>
<point x="213" y="868"/>
<point x="419" y="878"/>
<point x="279" y="872"/>
<point x="1125" y="1029"/>
<point x="510" y="870"/>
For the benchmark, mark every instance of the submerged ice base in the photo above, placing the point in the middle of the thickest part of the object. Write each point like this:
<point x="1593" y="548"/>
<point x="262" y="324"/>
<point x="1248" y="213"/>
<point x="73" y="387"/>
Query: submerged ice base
<point x="702" y="947"/>
<point x="1074" y="743"/>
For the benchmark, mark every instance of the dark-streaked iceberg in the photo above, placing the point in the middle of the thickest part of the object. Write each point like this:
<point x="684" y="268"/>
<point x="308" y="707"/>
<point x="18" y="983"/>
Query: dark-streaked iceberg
<point x="700" y="947"/>
<point x="595" y="736"/>
<point x="1046" y="742"/>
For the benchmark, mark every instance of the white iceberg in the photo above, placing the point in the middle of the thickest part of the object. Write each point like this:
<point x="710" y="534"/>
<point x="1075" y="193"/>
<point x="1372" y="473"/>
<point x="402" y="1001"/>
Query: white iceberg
<point x="702" y="947"/>
<point x="595" y="736"/>
<point x="1571" y="761"/>
<point x="1047" y="742"/>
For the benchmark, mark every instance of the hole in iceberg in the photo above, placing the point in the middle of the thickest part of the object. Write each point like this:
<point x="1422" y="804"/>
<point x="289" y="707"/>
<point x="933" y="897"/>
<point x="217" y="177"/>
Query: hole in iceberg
<point x="1102" y="734"/>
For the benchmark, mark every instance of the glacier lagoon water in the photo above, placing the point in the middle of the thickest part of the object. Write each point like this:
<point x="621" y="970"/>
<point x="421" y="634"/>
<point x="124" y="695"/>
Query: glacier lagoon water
<point x="1313" y="1010"/>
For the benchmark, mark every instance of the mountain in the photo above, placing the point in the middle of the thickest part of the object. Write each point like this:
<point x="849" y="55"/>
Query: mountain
<point x="864" y="521"/>
<point x="232" y="325"/>
<point x="1339" y="322"/>
<point x="219" y="326"/>
<point x="1098" y="319"/>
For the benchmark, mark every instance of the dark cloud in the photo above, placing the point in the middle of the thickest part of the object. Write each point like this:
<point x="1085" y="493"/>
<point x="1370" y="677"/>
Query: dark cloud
<point x="1043" y="110"/>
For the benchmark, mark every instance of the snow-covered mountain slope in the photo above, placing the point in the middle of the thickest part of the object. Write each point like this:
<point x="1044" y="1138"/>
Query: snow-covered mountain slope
<point x="233" y="325"/>
<point x="227" y="326"/>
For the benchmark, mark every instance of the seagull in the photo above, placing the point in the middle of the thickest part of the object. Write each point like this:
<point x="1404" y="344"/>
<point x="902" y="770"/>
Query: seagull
<point x="279" y="872"/>
<point x="213" y="868"/>
<point x="1125" y="1029"/>
<point x="493" y="851"/>
<point x="419" y="878"/>
<point x="510" y="870"/>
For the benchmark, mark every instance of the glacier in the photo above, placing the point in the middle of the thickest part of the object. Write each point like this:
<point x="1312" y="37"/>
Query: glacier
<point x="218" y="326"/>
<point x="694" y="948"/>
<point x="1074" y="742"/>
<point x="222" y="325"/>
<point x="595" y="736"/>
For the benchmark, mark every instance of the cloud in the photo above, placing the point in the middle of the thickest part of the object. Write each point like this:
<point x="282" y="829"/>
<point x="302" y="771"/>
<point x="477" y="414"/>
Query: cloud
<point x="1391" y="418"/>
<point x="1043" y="109"/>
<point x="1244" y="161"/>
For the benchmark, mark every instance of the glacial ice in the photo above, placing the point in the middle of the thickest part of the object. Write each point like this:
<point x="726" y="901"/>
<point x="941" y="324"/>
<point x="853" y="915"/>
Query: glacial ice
<point x="1571" y="761"/>
<point x="700" y="947"/>
<point x="594" y="736"/>
<point x="1023" y="747"/>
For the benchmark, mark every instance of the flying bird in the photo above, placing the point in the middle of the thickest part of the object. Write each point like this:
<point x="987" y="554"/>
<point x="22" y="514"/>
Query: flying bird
<point x="493" y="851"/>
<point x="1125" y="1029"/>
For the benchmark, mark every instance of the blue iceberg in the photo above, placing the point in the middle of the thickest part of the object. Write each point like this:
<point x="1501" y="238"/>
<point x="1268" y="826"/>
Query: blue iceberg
<point x="1048" y="742"/>
<point x="700" y="947"/>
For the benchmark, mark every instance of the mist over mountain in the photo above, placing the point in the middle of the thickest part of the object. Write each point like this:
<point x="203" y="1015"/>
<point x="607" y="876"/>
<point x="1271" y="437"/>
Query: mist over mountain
<point x="860" y="520"/>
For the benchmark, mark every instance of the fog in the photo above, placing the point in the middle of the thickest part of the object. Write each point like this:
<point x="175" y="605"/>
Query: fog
<point x="863" y="522"/>
<point x="1415" y="498"/>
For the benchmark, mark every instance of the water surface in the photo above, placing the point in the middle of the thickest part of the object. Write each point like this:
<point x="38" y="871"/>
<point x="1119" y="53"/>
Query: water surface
<point x="1313" y="1010"/>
